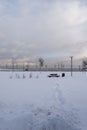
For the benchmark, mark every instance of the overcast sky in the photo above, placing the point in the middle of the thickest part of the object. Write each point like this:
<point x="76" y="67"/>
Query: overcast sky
<point x="43" y="28"/>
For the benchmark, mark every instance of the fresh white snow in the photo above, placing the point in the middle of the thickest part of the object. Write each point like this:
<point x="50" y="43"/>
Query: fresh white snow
<point x="32" y="101"/>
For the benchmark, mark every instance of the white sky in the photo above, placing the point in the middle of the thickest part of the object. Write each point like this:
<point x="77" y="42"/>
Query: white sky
<point x="43" y="28"/>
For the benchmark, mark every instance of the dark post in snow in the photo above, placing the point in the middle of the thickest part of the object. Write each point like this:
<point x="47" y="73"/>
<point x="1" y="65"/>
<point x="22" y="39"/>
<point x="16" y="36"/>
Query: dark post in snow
<point x="71" y="64"/>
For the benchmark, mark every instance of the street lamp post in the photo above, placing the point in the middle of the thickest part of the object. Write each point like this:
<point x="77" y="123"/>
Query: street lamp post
<point x="12" y="64"/>
<point x="71" y="64"/>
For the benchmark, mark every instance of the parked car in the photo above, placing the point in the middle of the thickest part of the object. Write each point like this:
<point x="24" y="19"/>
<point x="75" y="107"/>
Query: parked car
<point x="53" y="75"/>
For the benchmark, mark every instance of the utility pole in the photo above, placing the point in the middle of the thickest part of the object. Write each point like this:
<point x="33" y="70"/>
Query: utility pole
<point x="12" y="64"/>
<point x="71" y="64"/>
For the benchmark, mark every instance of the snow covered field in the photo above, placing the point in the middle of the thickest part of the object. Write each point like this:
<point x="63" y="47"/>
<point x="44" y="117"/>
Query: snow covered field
<point x="32" y="101"/>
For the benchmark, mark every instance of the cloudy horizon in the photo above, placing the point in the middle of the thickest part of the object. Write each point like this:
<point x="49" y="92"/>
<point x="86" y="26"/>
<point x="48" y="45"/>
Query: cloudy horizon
<point x="48" y="29"/>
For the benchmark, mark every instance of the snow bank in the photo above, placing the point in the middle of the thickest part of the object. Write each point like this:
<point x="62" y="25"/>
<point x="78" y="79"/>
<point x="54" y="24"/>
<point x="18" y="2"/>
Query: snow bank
<point x="42" y="103"/>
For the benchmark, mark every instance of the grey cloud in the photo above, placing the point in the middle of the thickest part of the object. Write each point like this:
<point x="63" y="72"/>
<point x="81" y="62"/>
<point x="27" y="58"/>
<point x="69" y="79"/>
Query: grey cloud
<point x="49" y="28"/>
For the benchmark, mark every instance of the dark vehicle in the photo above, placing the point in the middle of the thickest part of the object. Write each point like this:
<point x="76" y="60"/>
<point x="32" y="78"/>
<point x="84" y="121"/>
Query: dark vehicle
<point x="53" y="75"/>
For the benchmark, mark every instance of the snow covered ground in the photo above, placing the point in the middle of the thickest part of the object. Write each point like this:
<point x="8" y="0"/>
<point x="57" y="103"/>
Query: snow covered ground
<point x="32" y="101"/>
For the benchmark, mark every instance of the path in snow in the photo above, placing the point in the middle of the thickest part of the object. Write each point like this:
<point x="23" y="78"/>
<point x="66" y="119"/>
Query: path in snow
<point x="51" y="113"/>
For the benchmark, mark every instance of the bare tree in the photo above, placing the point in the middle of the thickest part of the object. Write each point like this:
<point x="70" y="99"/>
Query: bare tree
<point x="41" y="62"/>
<point x="84" y="64"/>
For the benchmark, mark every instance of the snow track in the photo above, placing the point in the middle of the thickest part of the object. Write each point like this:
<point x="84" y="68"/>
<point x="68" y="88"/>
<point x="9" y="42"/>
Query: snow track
<point x="40" y="103"/>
